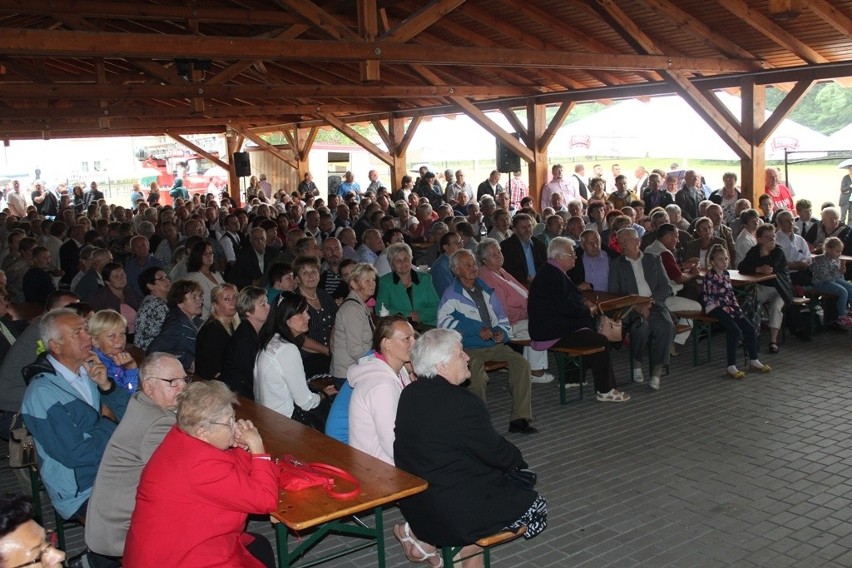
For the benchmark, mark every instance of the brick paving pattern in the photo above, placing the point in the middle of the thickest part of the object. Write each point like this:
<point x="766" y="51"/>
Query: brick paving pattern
<point x="707" y="472"/>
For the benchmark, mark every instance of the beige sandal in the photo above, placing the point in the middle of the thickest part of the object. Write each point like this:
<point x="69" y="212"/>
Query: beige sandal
<point x="403" y="535"/>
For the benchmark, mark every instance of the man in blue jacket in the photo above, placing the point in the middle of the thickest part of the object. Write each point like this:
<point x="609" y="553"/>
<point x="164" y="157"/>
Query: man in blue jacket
<point x="65" y="408"/>
<point x="470" y="307"/>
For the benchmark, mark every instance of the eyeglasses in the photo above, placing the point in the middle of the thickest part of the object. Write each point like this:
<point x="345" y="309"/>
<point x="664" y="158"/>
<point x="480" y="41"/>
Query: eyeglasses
<point x="50" y="548"/>
<point x="230" y="423"/>
<point x="174" y="382"/>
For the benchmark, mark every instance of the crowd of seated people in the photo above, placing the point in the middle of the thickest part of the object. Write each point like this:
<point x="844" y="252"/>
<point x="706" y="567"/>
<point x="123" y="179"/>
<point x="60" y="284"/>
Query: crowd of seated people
<point x="310" y="305"/>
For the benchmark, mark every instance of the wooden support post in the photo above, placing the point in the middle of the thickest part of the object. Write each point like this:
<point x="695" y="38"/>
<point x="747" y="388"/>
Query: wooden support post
<point x="400" y="137"/>
<point x="234" y="143"/>
<point x="753" y="167"/>
<point x="536" y="128"/>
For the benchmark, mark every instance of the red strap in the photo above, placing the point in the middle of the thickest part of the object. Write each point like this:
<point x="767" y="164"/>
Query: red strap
<point x="342" y="474"/>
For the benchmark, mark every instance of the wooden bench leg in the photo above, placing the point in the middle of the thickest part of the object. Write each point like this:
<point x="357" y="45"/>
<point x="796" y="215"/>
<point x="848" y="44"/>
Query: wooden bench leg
<point x="563" y="361"/>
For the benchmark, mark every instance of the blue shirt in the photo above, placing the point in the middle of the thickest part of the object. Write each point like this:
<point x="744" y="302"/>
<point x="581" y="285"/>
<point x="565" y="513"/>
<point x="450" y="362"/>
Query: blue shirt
<point x="78" y="381"/>
<point x="347" y="187"/>
<point x="528" y="255"/>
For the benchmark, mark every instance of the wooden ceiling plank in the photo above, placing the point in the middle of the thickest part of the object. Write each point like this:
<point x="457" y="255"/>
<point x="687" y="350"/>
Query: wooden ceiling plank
<point x="59" y="43"/>
<point x="716" y="120"/>
<point x="831" y="16"/>
<point x="320" y="19"/>
<point x="347" y="130"/>
<point x="555" y="124"/>
<point x="773" y="31"/>
<point x="683" y="20"/>
<point x="420" y="20"/>
<point x="267" y="146"/>
<point x="159" y="72"/>
<point x="198" y="149"/>
<point x="781" y="111"/>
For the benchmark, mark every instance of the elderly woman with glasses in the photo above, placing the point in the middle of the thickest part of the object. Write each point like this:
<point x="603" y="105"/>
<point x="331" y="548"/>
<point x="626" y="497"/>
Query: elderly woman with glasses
<point x="561" y="317"/>
<point x="23" y="542"/>
<point x="405" y="291"/>
<point x="200" y="485"/>
<point x="155" y="282"/>
<point x="214" y="334"/>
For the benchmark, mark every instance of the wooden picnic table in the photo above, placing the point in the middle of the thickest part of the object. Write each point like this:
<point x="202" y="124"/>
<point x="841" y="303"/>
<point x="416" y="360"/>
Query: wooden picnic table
<point x="610" y="302"/>
<point x="313" y="509"/>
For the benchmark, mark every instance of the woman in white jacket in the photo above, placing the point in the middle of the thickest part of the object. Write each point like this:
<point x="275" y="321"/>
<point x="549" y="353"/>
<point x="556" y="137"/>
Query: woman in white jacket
<point x="279" y="376"/>
<point x="377" y="381"/>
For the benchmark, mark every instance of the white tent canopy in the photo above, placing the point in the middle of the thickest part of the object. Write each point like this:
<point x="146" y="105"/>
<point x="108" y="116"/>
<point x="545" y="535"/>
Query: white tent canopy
<point x="841" y="140"/>
<point x="667" y="127"/>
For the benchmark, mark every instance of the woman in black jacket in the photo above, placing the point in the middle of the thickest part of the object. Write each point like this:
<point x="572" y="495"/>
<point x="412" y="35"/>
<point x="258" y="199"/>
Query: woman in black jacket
<point x="561" y="317"/>
<point x="181" y="326"/>
<point x="444" y="434"/>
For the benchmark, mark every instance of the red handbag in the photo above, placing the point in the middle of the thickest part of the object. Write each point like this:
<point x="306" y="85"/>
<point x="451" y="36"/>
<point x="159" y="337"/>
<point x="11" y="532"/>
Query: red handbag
<point x="296" y="475"/>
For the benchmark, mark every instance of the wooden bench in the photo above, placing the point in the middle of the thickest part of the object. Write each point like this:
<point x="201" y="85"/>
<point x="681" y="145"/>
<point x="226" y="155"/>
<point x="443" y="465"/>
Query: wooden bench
<point x="701" y="323"/>
<point x="566" y="356"/>
<point x="448" y="553"/>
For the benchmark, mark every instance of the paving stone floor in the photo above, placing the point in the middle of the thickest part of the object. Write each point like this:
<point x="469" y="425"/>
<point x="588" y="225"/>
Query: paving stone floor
<point x="707" y="472"/>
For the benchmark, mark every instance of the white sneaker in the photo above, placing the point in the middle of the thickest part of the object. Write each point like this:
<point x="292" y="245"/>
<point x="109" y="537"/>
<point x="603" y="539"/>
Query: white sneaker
<point x="654" y="383"/>
<point x="638" y="377"/>
<point x="542" y="379"/>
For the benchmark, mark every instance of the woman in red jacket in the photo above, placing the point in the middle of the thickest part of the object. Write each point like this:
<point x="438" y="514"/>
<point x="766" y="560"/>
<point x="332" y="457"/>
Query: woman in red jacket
<point x="208" y="475"/>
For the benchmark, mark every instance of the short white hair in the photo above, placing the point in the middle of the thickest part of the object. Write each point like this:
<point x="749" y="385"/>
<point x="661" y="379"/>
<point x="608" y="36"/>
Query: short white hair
<point x="456" y="258"/>
<point x="49" y="329"/>
<point x="432" y="349"/>
<point x="559" y="246"/>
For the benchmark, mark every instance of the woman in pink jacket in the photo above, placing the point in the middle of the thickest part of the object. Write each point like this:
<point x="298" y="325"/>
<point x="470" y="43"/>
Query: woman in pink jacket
<point x="377" y="381"/>
<point x="513" y="297"/>
<point x="195" y="494"/>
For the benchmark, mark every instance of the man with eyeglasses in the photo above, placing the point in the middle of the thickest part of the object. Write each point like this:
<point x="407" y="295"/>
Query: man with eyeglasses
<point x="149" y="417"/>
<point x="23" y="541"/>
<point x="69" y="408"/>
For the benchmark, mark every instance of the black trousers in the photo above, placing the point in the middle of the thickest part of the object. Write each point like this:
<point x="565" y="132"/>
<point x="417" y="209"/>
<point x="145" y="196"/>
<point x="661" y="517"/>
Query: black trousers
<point x="599" y="363"/>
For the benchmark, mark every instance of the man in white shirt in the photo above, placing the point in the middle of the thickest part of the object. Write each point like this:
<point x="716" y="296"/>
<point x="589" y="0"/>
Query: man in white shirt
<point x="557" y="185"/>
<point x="795" y="249"/>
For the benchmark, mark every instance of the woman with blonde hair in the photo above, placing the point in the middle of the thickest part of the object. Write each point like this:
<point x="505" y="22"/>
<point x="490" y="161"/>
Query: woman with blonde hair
<point x="353" y="325"/>
<point x="216" y="331"/>
<point x="108" y="329"/>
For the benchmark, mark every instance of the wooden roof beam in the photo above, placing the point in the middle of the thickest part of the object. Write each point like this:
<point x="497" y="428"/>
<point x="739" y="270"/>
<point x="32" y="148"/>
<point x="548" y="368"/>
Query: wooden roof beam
<point x="11" y="112"/>
<point x="319" y="18"/>
<point x="831" y="16"/>
<point x="368" y="28"/>
<point x="781" y="111"/>
<point x="419" y="21"/>
<point x="719" y="122"/>
<point x="267" y="146"/>
<point x="89" y="91"/>
<point x="59" y="43"/>
<point x="143" y="11"/>
<point x="555" y="124"/>
<point x="348" y="131"/>
<point x="198" y="150"/>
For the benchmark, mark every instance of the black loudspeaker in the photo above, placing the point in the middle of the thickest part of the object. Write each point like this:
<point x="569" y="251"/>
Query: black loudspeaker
<point x="507" y="160"/>
<point x="242" y="164"/>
